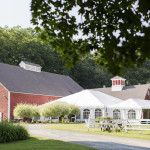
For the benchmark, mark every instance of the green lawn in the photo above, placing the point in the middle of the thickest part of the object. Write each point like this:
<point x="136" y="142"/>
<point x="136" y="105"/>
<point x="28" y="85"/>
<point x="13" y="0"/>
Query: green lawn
<point x="37" y="143"/>
<point x="82" y="128"/>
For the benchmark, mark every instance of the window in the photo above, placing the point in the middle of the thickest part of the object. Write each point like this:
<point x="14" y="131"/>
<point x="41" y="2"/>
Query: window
<point x="116" y="114"/>
<point x="122" y="82"/>
<point x="86" y="113"/>
<point x="78" y="117"/>
<point x="27" y="67"/>
<point x="98" y="113"/>
<point x="38" y="69"/>
<point x="131" y="114"/>
<point x="114" y="82"/>
<point x="33" y="68"/>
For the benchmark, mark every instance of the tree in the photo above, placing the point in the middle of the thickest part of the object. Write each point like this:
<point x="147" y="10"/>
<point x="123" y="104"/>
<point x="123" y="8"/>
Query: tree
<point x="45" y="111"/>
<point x="74" y="110"/>
<point x="100" y="21"/>
<point x="35" y="112"/>
<point x="18" y="44"/>
<point x="23" y="110"/>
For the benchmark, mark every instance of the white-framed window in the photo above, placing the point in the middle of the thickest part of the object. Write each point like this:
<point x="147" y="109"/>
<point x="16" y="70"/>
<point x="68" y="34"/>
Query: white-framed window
<point x="33" y="68"/>
<point x="131" y="114"/>
<point x="28" y="67"/>
<point x="38" y="69"/>
<point x="98" y="113"/>
<point x="116" y="114"/>
<point x="86" y="113"/>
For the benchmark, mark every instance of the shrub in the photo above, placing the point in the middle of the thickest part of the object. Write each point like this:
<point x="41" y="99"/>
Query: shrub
<point x="74" y="110"/>
<point x="105" y="118"/>
<point x="26" y="111"/>
<point x="45" y="111"/>
<point x="23" y="110"/>
<point x="56" y="110"/>
<point x="10" y="132"/>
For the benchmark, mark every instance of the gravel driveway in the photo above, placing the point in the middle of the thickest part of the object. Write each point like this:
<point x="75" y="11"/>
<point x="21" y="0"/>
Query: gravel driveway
<point x="97" y="141"/>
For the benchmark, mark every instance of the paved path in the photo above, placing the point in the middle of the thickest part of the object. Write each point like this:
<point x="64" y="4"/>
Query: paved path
<point x="97" y="141"/>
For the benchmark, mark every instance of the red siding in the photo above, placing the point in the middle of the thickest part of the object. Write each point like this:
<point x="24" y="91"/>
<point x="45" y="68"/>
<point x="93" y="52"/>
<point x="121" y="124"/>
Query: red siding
<point x="147" y="97"/>
<point x="3" y="102"/>
<point x="28" y="98"/>
<point x="114" y="82"/>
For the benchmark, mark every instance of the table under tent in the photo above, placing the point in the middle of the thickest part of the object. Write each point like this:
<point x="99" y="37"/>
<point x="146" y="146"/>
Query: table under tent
<point x="131" y="109"/>
<point x="90" y="102"/>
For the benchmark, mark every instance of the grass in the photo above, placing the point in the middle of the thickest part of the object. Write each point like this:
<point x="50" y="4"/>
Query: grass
<point x="83" y="129"/>
<point x="38" y="143"/>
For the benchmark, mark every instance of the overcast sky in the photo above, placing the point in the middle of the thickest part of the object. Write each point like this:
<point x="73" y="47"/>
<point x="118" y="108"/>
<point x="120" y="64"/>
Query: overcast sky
<point x="15" y="12"/>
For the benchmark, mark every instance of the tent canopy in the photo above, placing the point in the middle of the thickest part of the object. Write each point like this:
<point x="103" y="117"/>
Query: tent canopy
<point x="88" y="99"/>
<point x="132" y="104"/>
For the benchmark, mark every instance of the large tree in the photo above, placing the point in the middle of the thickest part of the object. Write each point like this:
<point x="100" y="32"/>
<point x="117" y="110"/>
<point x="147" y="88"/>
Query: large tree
<point x="18" y="44"/>
<point x="112" y="28"/>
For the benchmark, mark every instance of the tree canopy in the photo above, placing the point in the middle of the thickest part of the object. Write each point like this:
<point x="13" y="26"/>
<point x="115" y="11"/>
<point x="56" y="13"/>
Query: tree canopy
<point x="113" y="29"/>
<point x="19" y="44"/>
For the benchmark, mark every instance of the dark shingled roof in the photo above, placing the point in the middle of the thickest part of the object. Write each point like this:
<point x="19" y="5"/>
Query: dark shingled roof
<point x="17" y="79"/>
<point x="135" y="91"/>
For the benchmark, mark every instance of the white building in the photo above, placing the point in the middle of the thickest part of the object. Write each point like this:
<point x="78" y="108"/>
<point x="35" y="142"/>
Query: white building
<point x="131" y="109"/>
<point x="90" y="102"/>
<point x="111" y="101"/>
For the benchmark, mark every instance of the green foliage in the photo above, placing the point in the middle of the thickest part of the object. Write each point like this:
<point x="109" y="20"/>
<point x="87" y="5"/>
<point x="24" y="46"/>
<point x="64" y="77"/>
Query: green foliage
<point x="10" y="132"/>
<point x="64" y="110"/>
<point x="105" y="118"/>
<point x="45" y="111"/>
<point x="19" y="44"/>
<point x="111" y="28"/>
<point x="53" y="110"/>
<point x="58" y="110"/>
<point x="35" y="111"/>
<point x="23" y="110"/>
<point x="74" y="110"/>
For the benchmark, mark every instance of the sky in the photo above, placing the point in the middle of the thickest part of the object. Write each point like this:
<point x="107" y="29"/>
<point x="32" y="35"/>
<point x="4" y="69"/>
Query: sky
<point x="15" y="12"/>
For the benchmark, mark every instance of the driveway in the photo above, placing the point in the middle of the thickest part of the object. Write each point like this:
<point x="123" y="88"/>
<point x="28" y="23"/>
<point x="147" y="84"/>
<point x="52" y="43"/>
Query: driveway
<point x="97" y="141"/>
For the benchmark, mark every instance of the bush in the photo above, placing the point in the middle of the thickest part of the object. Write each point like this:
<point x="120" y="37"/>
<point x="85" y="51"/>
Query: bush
<point x="105" y="118"/>
<point x="26" y="111"/>
<point x="74" y="110"/>
<point x="23" y="110"/>
<point x="10" y="132"/>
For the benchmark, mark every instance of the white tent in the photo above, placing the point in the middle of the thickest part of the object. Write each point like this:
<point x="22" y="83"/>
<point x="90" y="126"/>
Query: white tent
<point x="89" y="102"/>
<point x="88" y="99"/>
<point x="133" y="108"/>
<point x="132" y="104"/>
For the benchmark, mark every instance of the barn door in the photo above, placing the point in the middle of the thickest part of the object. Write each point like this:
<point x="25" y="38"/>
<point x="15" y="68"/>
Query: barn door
<point x="0" y="116"/>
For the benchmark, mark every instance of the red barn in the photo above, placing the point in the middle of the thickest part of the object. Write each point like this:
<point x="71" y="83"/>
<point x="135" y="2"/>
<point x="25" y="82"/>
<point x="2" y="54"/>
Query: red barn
<point x="29" y="84"/>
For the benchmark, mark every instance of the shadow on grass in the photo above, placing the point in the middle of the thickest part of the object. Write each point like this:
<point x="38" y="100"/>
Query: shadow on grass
<point x="38" y="143"/>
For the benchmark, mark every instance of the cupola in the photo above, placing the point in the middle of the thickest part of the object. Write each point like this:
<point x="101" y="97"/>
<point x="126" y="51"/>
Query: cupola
<point x="30" y="66"/>
<point x="118" y="83"/>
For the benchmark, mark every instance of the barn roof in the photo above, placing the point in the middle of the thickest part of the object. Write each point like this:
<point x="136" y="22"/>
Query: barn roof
<point x="17" y="79"/>
<point x="135" y="91"/>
